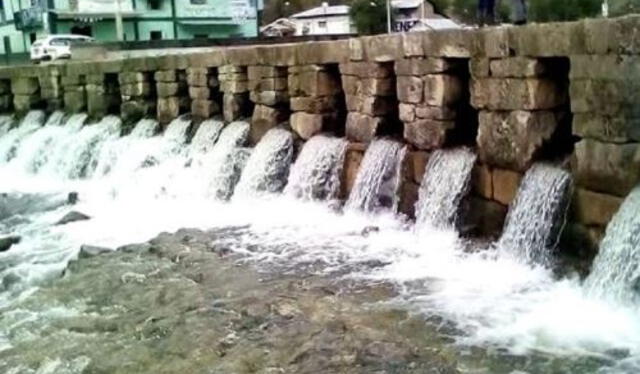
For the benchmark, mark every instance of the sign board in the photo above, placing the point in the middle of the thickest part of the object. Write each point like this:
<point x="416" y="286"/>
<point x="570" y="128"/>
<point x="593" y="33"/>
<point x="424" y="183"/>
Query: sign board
<point x="28" y="19"/>
<point x="404" y="25"/>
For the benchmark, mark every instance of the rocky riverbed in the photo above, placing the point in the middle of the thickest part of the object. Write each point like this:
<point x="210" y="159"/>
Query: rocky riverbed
<point x="180" y="304"/>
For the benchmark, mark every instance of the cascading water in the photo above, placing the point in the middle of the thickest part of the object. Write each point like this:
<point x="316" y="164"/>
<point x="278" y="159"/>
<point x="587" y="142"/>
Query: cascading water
<point x="536" y="216"/>
<point x="227" y="160"/>
<point x="615" y="275"/>
<point x="77" y="155"/>
<point x="268" y="166"/>
<point x="5" y="124"/>
<point x="206" y="135"/>
<point x="178" y="130"/>
<point x="145" y="128"/>
<point x="11" y="140"/>
<point x="445" y="183"/>
<point x="55" y="119"/>
<point x="378" y="180"/>
<point x="316" y="173"/>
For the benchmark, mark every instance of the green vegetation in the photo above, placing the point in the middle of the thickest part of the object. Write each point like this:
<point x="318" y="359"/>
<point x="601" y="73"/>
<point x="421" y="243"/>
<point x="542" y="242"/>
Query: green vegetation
<point x="622" y="7"/>
<point x="369" y="16"/>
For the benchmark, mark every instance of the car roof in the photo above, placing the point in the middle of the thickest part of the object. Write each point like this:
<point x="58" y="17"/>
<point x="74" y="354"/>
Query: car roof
<point x="68" y="36"/>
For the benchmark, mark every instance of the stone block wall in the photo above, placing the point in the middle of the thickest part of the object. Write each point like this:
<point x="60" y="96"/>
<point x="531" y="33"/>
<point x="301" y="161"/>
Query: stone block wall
<point x="6" y="98"/>
<point x="75" y="95"/>
<point x="317" y="103"/>
<point x="204" y="92"/>
<point x="137" y="91"/>
<point x="26" y="93"/>
<point x="103" y="94"/>
<point x="370" y="95"/>
<point x="234" y="83"/>
<point x="51" y="89"/>
<point x="268" y="91"/>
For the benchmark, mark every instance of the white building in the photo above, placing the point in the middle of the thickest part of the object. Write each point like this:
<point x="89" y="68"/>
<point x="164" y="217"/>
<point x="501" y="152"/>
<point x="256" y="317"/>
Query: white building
<point x="324" y="20"/>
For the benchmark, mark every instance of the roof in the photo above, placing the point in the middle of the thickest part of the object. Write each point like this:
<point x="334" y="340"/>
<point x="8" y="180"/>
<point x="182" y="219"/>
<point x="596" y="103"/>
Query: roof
<point x="406" y="4"/>
<point x="322" y="11"/>
<point x="436" y="24"/>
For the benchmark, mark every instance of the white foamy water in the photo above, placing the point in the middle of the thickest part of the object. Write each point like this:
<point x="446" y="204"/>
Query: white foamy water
<point x="495" y="301"/>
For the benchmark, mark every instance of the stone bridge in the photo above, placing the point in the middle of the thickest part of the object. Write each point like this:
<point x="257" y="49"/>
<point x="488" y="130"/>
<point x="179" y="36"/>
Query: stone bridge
<point x="562" y="92"/>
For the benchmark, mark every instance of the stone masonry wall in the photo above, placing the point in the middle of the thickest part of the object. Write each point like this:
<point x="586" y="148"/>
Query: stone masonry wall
<point x="559" y="92"/>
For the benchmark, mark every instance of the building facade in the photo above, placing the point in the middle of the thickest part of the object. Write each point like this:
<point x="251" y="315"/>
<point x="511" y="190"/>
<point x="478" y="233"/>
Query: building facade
<point x="23" y="21"/>
<point x="324" y="20"/>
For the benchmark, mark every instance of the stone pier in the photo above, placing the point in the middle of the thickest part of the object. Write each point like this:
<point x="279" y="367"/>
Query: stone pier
<point x="268" y="91"/>
<point x="137" y="96"/>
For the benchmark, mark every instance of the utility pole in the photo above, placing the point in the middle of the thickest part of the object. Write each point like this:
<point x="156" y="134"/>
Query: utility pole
<point x="119" y="26"/>
<point x="388" y="16"/>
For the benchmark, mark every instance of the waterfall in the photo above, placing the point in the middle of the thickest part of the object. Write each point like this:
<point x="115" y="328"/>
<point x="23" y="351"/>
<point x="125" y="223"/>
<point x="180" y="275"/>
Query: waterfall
<point x="316" y="173"/>
<point x="227" y="160"/>
<point x="536" y="216"/>
<point x="55" y="119"/>
<point x="268" y="166"/>
<point x="77" y="156"/>
<point x="206" y="135"/>
<point x="145" y="128"/>
<point x="378" y="180"/>
<point x="615" y="274"/>
<point x="445" y="183"/>
<point x="5" y="124"/>
<point x="178" y="130"/>
<point x="10" y="141"/>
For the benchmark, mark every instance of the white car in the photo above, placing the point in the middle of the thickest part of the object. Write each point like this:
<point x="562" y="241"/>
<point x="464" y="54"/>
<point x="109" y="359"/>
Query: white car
<point x="55" y="47"/>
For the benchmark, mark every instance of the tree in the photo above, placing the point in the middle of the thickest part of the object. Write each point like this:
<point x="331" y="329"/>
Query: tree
<point x="622" y="7"/>
<point x="369" y="16"/>
<point x="565" y="10"/>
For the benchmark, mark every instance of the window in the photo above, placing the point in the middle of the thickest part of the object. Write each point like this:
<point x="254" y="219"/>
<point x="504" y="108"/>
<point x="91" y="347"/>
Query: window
<point x="322" y="24"/>
<point x="155" y="35"/>
<point x="2" y="15"/>
<point x="200" y="36"/>
<point x="198" y="2"/>
<point x="154" y="4"/>
<point x="32" y="37"/>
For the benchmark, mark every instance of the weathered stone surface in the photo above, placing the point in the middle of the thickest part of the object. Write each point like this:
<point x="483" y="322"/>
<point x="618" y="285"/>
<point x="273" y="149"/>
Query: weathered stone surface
<point x="233" y="106"/>
<point x="264" y="119"/>
<point x="5" y="86"/>
<point x="352" y="161"/>
<point x="97" y="79"/>
<point x="418" y="161"/>
<point x="412" y="45"/>
<point x="377" y="105"/>
<point x="75" y="101"/>
<point x="383" y="47"/>
<point x="351" y="84"/>
<point x="7" y="241"/>
<point x="318" y="104"/>
<point x="135" y="89"/>
<point x="202" y="108"/>
<point x="409" y="195"/>
<point x="228" y="69"/>
<point x="410" y="89"/>
<point x="354" y="102"/>
<point x="606" y="167"/>
<point x="134" y="110"/>
<point x="306" y="124"/>
<point x="362" y="128"/>
<point x="609" y="67"/>
<point x="202" y="93"/>
<point x="435" y="112"/>
<point x="72" y="80"/>
<point x="320" y="83"/>
<point x="234" y="86"/>
<point x="479" y="67"/>
<point x="511" y="139"/>
<point x="165" y="76"/>
<point x="168" y="109"/>
<point x="268" y="84"/>
<point x="422" y="66"/>
<point x="482" y="181"/>
<point x="100" y="104"/>
<point x="367" y="69"/>
<point x="605" y="97"/>
<point x="377" y="86"/>
<point x="127" y="77"/>
<point x="24" y="86"/>
<point x="516" y="67"/>
<point x="448" y="43"/>
<point x="505" y="185"/>
<point x="515" y="94"/>
<point x="6" y="102"/>
<point x="270" y="98"/>
<point x="606" y="128"/>
<point x="593" y="208"/>
<point x="486" y="216"/>
<point x="407" y="112"/>
<point x="71" y="217"/>
<point x="441" y="89"/>
<point x="198" y="77"/>
<point x="167" y="89"/>
<point x="427" y="134"/>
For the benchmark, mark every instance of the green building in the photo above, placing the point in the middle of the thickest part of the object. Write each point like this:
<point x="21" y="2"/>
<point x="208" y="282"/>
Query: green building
<point x="23" y="21"/>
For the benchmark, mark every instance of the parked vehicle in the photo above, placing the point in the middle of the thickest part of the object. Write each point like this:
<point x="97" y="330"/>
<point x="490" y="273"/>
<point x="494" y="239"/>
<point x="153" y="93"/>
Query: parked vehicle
<point x="55" y="47"/>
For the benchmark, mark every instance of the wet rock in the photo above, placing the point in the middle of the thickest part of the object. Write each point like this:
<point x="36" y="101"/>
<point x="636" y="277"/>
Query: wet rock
<point x="72" y="217"/>
<point x="135" y="248"/>
<point x="7" y="241"/>
<point x="72" y="198"/>
<point x="369" y="229"/>
<point x="87" y="251"/>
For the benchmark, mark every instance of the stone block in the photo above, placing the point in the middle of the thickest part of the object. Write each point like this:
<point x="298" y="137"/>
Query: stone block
<point x="351" y="84"/>
<point x="319" y="83"/>
<point x="316" y="104"/>
<point x="133" y="110"/>
<point x="605" y="97"/>
<point x="229" y="69"/>
<point x="605" y="167"/>
<point x="367" y="69"/>
<point x="593" y="208"/>
<point x="410" y="89"/>
<point x="270" y="98"/>
<point x="422" y="66"/>
<point x="234" y="86"/>
<point x="409" y="195"/>
<point x="234" y="106"/>
<point x="486" y="216"/>
<point x="328" y="52"/>
<point x="6" y="103"/>
<point x="72" y="80"/>
<point x="427" y="134"/>
<point x="377" y="106"/>
<point x="198" y="77"/>
<point x="505" y="185"/>
<point x="516" y="94"/>
<point x="352" y="161"/>
<point x="24" y="86"/>
<point x="448" y="43"/>
<point x="512" y="139"/>
<point x="606" y="128"/>
<point x="5" y="87"/>
<point x="129" y="77"/>
<point x="479" y="67"/>
<point x="354" y="103"/>
<point x="363" y="128"/>
<point x="96" y="79"/>
<point x="435" y="112"/>
<point x="442" y="89"/>
<point x="383" y="47"/>
<point x="264" y="119"/>
<point x="517" y="67"/>
<point x="167" y="89"/>
<point x="201" y="108"/>
<point x="200" y="93"/>
<point x="75" y="101"/>
<point x="139" y="89"/>
<point x="378" y="86"/>
<point x="24" y="103"/>
<point x="412" y="45"/>
<point x="482" y="181"/>
<point x="99" y="105"/>
<point x="609" y="67"/>
<point x="165" y="76"/>
<point x="306" y="124"/>
<point x="168" y="109"/>
<point x="418" y="161"/>
<point x="51" y="93"/>
<point x="407" y="112"/>
<point x="268" y="84"/>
